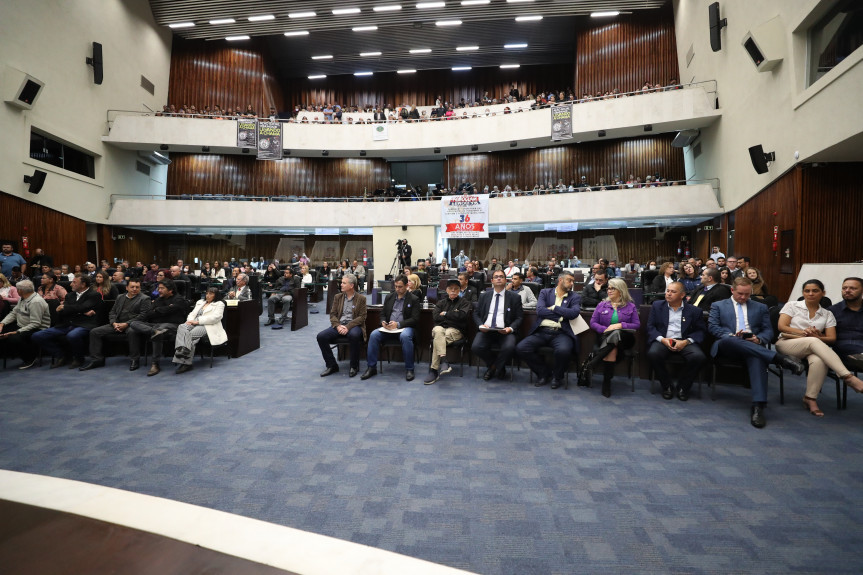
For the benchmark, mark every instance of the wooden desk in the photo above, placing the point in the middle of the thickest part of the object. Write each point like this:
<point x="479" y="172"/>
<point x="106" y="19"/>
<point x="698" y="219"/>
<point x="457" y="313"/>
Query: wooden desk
<point x="300" y="315"/>
<point x="334" y="287"/>
<point x="241" y="324"/>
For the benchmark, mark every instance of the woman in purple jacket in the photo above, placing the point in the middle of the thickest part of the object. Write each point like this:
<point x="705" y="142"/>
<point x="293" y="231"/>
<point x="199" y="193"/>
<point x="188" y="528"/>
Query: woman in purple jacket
<point x="615" y="319"/>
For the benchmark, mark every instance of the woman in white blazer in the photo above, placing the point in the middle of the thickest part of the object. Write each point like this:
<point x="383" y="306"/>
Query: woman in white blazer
<point x="205" y="319"/>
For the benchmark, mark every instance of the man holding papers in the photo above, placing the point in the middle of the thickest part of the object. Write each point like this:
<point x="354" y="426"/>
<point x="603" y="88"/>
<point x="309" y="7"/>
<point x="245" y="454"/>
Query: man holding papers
<point x="498" y="315"/>
<point x="401" y="315"/>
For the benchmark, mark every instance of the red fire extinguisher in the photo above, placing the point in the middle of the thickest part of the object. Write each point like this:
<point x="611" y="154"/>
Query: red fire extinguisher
<point x="25" y="245"/>
<point x="775" y="239"/>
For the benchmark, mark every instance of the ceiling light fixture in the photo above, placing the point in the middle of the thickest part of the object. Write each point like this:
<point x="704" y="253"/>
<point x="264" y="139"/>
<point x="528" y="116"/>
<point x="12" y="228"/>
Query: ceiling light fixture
<point x="474" y="2"/>
<point x="182" y="25"/>
<point x="513" y="46"/>
<point x="605" y="14"/>
<point x="448" y="23"/>
<point x="388" y="8"/>
<point x="364" y="54"/>
<point x="505" y="66"/>
<point x="261" y="18"/>
<point x="425" y="5"/>
<point x="298" y="33"/>
<point x="420" y="51"/>
<point x="466" y="48"/>
<point x="327" y="57"/>
<point x="317" y="76"/>
<point x="364" y="28"/>
<point x="363" y="73"/>
<point x="460" y="68"/>
<point x="344" y="11"/>
<point x="309" y="14"/>
<point x="236" y="38"/>
<point x="517" y="1"/>
<point x="528" y="18"/>
<point x="406" y="71"/>
<point x="222" y="21"/>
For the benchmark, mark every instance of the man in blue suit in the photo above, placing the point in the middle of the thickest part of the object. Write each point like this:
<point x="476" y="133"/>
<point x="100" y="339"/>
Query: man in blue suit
<point x="554" y="308"/>
<point x="498" y="316"/>
<point x="676" y="328"/>
<point x="742" y="328"/>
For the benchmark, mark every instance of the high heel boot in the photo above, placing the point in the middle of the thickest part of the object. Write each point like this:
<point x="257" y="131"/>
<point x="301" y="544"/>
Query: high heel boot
<point x="607" y="374"/>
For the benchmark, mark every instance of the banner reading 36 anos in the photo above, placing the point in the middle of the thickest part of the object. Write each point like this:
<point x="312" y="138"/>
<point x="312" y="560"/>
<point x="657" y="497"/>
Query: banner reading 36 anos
<point x="464" y="216"/>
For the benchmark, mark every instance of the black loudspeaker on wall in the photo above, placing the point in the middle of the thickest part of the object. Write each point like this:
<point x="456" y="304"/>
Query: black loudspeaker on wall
<point x="96" y="62"/>
<point x="36" y="181"/>
<point x="716" y="25"/>
<point x="760" y="158"/>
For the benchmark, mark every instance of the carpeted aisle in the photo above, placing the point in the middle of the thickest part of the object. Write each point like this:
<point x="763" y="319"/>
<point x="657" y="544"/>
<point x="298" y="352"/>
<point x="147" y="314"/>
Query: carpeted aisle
<point x="496" y="478"/>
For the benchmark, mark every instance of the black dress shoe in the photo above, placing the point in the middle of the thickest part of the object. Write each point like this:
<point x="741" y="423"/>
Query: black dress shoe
<point x="502" y="374"/>
<point x="409" y="375"/>
<point x="270" y="322"/>
<point x="542" y="381"/>
<point x="353" y="372"/>
<point x="58" y="362"/>
<point x="92" y="364"/>
<point x="369" y="372"/>
<point x="183" y="352"/>
<point x="558" y="383"/>
<point x="134" y="364"/>
<point x="682" y="394"/>
<point x="758" y="419"/>
<point x="330" y="371"/>
<point x="606" y="388"/>
<point x="667" y="393"/>
<point x="489" y="373"/>
<point x="154" y="369"/>
<point x="792" y="364"/>
<point x="184" y="367"/>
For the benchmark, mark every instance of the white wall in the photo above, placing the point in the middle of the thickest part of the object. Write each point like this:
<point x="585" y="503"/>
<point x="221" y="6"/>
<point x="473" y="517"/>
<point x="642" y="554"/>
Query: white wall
<point x="773" y="109"/>
<point x="50" y="40"/>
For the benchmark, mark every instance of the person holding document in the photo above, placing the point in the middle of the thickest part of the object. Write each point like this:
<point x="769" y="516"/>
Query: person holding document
<point x="401" y="315"/>
<point x="498" y="315"/>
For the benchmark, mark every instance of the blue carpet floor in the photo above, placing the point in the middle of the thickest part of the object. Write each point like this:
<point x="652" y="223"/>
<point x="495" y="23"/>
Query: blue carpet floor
<point x="497" y="478"/>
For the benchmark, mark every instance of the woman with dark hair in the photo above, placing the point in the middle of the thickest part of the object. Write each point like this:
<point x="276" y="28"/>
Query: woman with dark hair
<point x="806" y="331"/>
<point x="102" y="284"/>
<point x="690" y="280"/>
<point x="725" y="276"/>
<point x="615" y="319"/>
<point x="271" y="276"/>
<point x="204" y="320"/>
<point x="663" y="278"/>
<point x="49" y="288"/>
<point x="216" y="272"/>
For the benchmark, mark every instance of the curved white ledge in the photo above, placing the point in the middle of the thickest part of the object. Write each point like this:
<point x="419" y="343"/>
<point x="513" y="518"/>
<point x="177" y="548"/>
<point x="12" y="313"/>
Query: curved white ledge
<point x="690" y="108"/>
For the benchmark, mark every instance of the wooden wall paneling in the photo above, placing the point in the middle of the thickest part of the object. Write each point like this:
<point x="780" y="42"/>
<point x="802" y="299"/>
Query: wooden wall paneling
<point x="60" y="236"/>
<point x="779" y="204"/>
<point x="105" y="243"/>
<point x="626" y="52"/>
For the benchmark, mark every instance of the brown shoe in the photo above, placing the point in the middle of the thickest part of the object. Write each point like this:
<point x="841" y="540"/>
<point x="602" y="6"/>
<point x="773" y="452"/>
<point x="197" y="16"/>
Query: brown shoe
<point x="154" y="369"/>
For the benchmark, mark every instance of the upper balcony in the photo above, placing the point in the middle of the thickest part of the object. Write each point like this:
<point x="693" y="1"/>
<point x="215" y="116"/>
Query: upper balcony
<point x="692" y="107"/>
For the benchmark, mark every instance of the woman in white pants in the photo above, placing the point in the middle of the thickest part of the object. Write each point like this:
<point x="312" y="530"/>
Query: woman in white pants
<point x="806" y="330"/>
<point x="205" y="319"/>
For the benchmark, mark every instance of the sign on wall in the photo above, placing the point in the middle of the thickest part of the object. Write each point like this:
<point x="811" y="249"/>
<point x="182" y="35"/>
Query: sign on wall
<point x="247" y="133"/>
<point x="269" y="141"/>
<point x="561" y="122"/>
<point x="464" y="216"/>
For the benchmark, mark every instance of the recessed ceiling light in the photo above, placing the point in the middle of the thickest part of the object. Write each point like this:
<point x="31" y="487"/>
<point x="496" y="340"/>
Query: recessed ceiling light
<point x="406" y="71"/>
<point x="512" y="46"/>
<point x="467" y="48"/>
<point x="317" y="76"/>
<point x="181" y="25"/>
<point x="387" y="8"/>
<point x="424" y="5"/>
<point x="503" y="66"/>
<point x="460" y="68"/>
<point x="343" y="11"/>
<point x="370" y="53"/>
<point x="309" y="14"/>
<point x="448" y="23"/>
<point x="326" y="57"/>
<point x="517" y="1"/>
<point x="474" y="2"/>
<point x="297" y="33"/>
<point x="420" y="51"/>
<point x="222" y="21"/>
<point x="527" y="18"/>
<point x="261" y="18"/>
<point x="235" y="38"/>
<point x="365" y="28"/>
<point x="604" y="14"/>
<point x="363" y="73"/>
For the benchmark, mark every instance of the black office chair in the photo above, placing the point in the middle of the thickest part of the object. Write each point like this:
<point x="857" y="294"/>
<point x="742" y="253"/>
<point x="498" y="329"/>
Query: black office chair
<point x="463" y="348"/>
<point x="392" y="343"/>
<point x="204" y="345"/>
<point x="673" y="360"/>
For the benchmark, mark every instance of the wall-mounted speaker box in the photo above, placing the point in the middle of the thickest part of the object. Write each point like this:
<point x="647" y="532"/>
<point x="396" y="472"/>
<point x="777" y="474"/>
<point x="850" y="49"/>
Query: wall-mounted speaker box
<point x="760" y="159"/>
<point x="20" y="89"/>
<point x="716" y="26"/>
<point x="96" y="62"/>
<point x="36" y="181"/>
<point x="765" y="44"/>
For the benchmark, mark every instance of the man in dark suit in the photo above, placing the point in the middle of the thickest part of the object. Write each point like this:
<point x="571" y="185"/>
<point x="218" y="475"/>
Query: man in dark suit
<point x="742" y="328"/>
<point x="675" y="327"/>
<point x="466" y="291"/>
<point x="167" y="312"/>
<point x="129" y="307"/>
<point x="76" y="316"/>
<point x="594" y="293"/>
<point x="554" y="308"/>
<point x="710" y="291"/>
<point x="498" y="315"/>
<point x="401" y="312"/>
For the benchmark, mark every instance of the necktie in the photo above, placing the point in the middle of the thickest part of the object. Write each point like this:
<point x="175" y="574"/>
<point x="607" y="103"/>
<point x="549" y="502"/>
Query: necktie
<point x="741" y="319"/>
<point x="494" y="314"/>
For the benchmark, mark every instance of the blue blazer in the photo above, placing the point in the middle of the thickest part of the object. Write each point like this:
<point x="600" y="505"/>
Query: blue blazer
<point x="723" y="321"/>
<point x="691" y="325"/>
<point x="568" y="309"/>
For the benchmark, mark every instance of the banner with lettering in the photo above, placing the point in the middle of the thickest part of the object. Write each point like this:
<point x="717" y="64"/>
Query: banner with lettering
<point x="561" y="122"/>
<point x="269" y="141"/>
<point x="464" y="216"/>
<point x="247" y="133"/>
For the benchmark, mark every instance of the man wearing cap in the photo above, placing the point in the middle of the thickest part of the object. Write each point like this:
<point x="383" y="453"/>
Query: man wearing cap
<point x="450" y="319"/>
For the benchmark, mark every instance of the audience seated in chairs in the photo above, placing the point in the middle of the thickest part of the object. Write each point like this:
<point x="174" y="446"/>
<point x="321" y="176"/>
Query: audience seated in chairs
<point x="204" y="320"/>
<point x="167" y="312"/>
<point x="806" y="332"/>
<point x="400" y="318"/>
<point x="27" y="318"/>
<point x="132" y="306"/>
<point x="616" y="320"/>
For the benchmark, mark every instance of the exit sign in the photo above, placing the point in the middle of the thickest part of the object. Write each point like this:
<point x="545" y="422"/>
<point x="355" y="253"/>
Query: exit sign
<point x="707" y="228"/>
